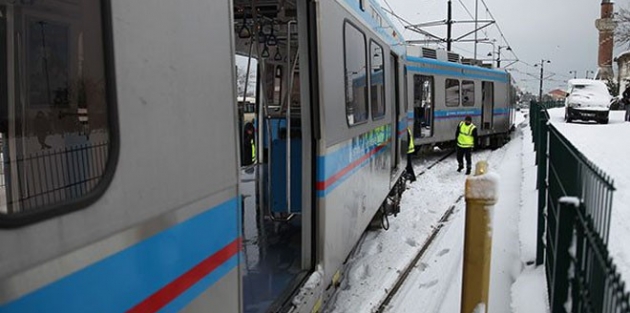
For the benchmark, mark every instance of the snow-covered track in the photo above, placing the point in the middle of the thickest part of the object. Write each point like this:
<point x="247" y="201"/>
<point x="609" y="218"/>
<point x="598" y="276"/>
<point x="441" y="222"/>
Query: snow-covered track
<point x="404" y="274"/>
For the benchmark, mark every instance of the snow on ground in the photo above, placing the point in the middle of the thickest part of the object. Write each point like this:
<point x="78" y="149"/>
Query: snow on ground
<point x="435" y="284"/>
<point x="384" y="254"/>
<point x="506" y="265"/>
<point x="429" y="282"/>
<point x="607" y="146"/>
<point x="516" y="284"/>
<point x="529" y="292"/>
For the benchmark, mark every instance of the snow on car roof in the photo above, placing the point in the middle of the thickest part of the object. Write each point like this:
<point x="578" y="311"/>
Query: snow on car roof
<point x="584" y="81"/>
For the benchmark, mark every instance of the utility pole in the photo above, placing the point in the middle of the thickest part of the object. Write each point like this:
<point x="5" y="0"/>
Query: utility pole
<point x="476" y="25"/>
<point x="449" y="23"/>
<point x="499" y="54"/>
<point x="542" y="70"/>
<point x="449" y="39"/>
<point x="587" y="72"/>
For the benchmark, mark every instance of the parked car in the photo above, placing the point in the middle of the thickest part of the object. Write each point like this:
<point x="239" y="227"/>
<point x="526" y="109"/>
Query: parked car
<point x="587" y="99"/>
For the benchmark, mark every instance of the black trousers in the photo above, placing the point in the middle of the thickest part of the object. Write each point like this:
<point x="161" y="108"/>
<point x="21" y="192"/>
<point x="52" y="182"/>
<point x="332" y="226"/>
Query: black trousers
<point x="461" y="152"/>
<point x="411" y="175"/>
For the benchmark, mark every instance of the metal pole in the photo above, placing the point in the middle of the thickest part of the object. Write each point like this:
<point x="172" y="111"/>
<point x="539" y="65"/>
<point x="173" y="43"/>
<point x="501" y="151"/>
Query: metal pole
<point x="45" y="63"/>
<point x="289" y="90"/>
<point x="481" y="196"/>
<point x="542" y="66"/>
<point x="499" y="58"/>
<point x="476" y="18"/>
<point x="449" y="23"/>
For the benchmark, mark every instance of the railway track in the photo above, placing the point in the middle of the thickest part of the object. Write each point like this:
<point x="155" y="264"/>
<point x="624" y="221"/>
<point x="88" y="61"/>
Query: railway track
<point x="442" y="158"/>
<point x="382" y="306"/>
<point x="385" y="302"/>
<point x="404" y="274"/>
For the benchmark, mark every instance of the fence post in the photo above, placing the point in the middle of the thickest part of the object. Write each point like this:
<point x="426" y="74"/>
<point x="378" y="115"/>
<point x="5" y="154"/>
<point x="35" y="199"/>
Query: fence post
<point x="533" y="117"/>
<point x="541" y="184"/>
<point x="481" y="195"/>
<point x="542" y="121"/>
<point x="567" y="208"/>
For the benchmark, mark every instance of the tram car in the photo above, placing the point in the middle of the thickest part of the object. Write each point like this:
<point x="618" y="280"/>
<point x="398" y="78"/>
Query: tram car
<point x="442" y="91"/>
<point x="122" y="189"/>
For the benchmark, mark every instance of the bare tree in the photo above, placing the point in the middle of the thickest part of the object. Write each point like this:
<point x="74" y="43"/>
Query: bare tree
<point x="241" y="76"/>
<point x="622" y="32"/>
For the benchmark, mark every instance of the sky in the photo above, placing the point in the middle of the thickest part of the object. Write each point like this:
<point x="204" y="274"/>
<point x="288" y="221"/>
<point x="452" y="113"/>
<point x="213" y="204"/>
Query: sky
<point x="562" y="31"/>
<point x="434" y="284"/>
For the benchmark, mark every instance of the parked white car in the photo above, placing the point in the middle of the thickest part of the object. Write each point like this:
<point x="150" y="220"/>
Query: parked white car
<point x="587" y="99"/>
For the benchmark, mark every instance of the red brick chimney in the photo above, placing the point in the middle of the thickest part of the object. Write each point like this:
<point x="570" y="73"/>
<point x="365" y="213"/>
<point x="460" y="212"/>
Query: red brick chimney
<point x="606" y="26"/>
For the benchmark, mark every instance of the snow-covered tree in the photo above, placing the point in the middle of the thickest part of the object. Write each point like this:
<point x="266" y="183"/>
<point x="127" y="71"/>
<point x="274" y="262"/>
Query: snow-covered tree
<point x="622" y="32"/>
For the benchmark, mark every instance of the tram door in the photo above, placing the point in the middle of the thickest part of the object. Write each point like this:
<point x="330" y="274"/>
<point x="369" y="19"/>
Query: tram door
<point x="395" y="103"/>
<point x="423" y="102"/>
<point x="277" y="187"/>
<point x="487" y="93"/>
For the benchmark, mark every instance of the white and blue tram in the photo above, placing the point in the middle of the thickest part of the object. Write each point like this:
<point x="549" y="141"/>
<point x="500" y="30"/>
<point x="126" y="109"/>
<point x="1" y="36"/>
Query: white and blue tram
<point x="122" y="188"/>
<point x="442" y="91"/>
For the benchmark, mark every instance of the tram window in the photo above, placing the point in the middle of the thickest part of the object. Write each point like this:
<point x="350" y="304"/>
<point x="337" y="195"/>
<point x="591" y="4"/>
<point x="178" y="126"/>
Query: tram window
<point x="452" y="92"/>
<point x="3" y="79"/>
<point x="355" y="75"/>
<point x="56" y="133"/>
<point x="246" y="105"/>
<point x="274" y="85"/>
<point x="406" y="90"/>
<point x="377" y="81"/>
<point x="468" y="93"/>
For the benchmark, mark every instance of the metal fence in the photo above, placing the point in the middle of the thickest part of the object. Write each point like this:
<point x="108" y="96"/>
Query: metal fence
<point x="574" y="210"/>
<point x="50" y="176"/>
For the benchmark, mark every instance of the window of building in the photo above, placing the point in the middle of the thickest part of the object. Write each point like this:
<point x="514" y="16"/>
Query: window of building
<point x="55" y="113"/>
<point x="468" y="93"/>
<point x="355" y="67"/>
<point x="452" y="92"/>
<point x="377" y="80"/>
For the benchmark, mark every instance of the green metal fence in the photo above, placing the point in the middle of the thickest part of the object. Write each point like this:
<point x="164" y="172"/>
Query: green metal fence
<point x="574" y="206"/>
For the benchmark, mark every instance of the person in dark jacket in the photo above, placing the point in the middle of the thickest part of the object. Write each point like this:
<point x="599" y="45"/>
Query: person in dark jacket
<point x="626" y="102"/>
<point x="466" y="136"/>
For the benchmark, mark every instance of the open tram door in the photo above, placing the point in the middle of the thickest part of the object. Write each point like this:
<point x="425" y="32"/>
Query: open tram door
<point x="487" y="102"/>
<point x="277" y="188"/>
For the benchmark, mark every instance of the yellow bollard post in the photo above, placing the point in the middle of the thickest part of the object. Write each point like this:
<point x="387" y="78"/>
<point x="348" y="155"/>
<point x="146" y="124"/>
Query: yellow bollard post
<point x="481" y="195"/>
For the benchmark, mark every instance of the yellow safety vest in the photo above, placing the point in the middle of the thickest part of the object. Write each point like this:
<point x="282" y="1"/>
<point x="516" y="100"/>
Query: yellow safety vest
<point x="465" y="138"/>
<point x="253" y="151"/>
<point x="412" y="146"/>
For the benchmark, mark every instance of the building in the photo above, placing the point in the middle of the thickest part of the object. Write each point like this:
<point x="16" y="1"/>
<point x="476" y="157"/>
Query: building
<point x="557" y="94"/>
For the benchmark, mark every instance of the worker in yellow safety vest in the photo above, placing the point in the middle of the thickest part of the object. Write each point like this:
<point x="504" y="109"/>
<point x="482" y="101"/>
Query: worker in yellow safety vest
<point x="411" y="175"/>
<point x="253" y="150"/>
<point x="466" y="137"/>
<point x="249" y="135"/>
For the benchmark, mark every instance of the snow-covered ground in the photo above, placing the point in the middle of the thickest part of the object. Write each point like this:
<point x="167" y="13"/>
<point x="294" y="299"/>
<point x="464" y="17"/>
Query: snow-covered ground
<point x="435" y="284"/>
<point x="516" y="285"/>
